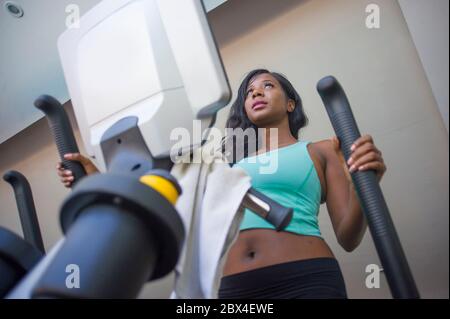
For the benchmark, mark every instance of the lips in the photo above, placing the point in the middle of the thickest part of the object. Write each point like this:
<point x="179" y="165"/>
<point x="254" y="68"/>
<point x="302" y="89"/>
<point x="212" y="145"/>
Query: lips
<point x="259" y="105"/>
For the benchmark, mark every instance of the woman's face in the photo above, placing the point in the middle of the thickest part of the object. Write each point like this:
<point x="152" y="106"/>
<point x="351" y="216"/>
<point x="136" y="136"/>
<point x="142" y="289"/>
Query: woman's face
<point x="266" y="101"/>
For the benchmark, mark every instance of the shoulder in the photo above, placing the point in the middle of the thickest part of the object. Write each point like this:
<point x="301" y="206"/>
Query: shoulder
<point x="324" y="149"/>
<point x="322" y="145"/>
<point x="328" y="152"/>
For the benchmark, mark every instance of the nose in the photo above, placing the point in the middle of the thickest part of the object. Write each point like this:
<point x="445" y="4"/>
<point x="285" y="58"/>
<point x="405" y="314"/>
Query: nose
<point x="257" y="92"/>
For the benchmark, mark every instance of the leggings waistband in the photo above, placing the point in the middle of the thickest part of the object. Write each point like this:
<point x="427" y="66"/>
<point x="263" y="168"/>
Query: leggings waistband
<point x="310" y="278"/>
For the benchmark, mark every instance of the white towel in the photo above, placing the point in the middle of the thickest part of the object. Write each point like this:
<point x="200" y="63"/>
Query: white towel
<point x="211" y="211"/>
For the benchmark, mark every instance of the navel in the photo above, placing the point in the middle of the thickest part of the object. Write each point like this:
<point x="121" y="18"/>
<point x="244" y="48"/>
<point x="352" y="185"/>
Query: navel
<point x="251" y="254"/>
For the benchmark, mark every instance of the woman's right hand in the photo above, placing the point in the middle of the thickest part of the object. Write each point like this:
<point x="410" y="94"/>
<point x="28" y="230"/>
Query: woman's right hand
<point x="66" y="175"/>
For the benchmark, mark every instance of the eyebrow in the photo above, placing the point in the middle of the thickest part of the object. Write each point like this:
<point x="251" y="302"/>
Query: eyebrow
<point x="265" y="81"/>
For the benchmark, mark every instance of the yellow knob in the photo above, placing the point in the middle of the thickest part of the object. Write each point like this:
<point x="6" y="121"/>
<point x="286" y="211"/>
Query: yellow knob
<point x="162" y="186"/>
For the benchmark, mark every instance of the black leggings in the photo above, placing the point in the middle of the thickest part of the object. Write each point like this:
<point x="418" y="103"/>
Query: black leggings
<point x="318" y="278"/>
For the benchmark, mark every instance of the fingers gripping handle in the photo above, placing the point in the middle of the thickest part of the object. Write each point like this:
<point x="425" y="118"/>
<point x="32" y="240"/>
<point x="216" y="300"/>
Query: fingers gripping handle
<point x="385" y="237"/>
<point x="62" y="132"/>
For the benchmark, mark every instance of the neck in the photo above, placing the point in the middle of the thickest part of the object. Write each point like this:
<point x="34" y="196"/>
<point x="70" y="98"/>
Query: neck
<point x="277" y="135"/>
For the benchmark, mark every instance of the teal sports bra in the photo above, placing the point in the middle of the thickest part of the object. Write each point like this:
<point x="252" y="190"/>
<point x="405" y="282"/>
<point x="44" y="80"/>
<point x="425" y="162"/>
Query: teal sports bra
<point x="288" y="176"/>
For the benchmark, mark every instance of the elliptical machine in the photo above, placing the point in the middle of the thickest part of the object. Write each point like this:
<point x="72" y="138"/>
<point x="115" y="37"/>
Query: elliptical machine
<point x="19" y="255"/>
<point x="127" y="133"/>
<point x="121" y="227"/>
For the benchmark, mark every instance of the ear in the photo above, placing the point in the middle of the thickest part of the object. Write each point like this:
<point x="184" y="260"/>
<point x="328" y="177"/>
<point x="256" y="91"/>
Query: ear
<point x="290" y="105"/>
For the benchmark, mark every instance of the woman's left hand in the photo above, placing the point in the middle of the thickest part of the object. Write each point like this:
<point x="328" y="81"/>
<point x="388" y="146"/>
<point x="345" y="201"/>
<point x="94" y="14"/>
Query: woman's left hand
<point x="366" y="156"/>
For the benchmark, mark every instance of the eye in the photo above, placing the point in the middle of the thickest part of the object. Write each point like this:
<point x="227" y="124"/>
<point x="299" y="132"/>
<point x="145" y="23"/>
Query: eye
<point x="268" y="85"/>
<point x="249" y="91"/>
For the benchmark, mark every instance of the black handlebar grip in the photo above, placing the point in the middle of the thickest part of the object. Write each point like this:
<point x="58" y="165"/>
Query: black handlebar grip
<point x="25" y="206"/>
<point x="278" y="215"/>
<point x="387" y="243"/>
<point x="62" y="132"/>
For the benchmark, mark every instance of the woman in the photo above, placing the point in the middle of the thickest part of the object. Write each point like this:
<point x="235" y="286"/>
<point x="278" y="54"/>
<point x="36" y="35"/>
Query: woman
<point x="297" y="262"/>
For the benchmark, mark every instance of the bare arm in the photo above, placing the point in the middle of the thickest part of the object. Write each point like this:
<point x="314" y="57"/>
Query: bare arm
<point x="343" y="205"/>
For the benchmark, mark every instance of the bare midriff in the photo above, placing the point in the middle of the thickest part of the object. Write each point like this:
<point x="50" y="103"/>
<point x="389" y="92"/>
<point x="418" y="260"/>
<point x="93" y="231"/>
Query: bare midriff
<point x="257" y="248"/>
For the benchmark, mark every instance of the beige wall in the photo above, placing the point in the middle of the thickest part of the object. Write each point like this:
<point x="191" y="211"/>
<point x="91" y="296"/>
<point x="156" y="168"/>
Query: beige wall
<point x="424" y="18"/>
<point x="391" y="99"/>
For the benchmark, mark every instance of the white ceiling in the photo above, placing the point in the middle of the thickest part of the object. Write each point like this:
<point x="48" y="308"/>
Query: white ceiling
<point x="29" y="62"/>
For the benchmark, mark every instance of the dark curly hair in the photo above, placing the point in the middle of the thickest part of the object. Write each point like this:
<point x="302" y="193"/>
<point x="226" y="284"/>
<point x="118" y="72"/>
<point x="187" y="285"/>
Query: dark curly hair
<point x="238" y="117"/>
